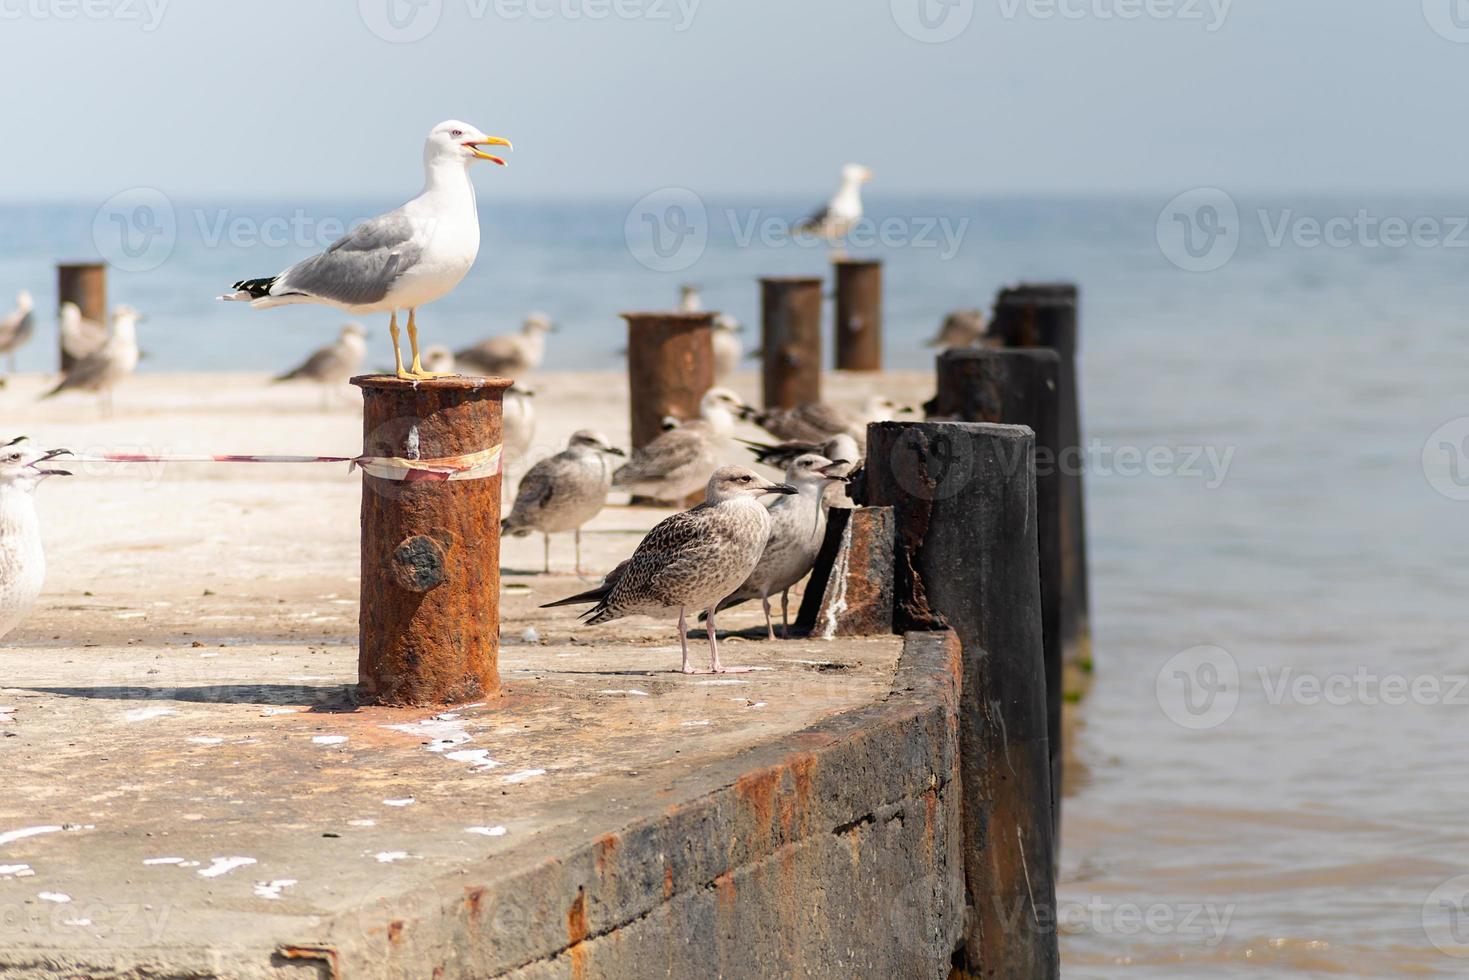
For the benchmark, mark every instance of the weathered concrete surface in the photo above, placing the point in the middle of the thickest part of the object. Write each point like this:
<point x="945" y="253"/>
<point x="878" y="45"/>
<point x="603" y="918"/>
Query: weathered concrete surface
<point x="675" y="818"/>
<point x="858" y="596"/>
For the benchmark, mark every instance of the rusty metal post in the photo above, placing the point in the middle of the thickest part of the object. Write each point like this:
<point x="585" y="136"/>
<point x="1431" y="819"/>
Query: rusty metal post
<point x="965" y="558"/>
<point x="670" y="365"/>
<point x="1020" y="387"/>
<point x="430" y="620"/>
<point x="790" y="332"/>
<point x="859" y="315"/>
<point x="85" y="284"/>
<point x="1045" y="315"/>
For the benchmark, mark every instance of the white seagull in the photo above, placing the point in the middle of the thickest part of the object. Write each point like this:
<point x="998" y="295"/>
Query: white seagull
<point x="509" y="355"/>
<point x="16" y="329"/>
<point x="844" y="210"/>
<point x="333" y="365"/>
<point x="399" y="260"/>
<point x="22" y="558"/>
<point x="102" y="370"/>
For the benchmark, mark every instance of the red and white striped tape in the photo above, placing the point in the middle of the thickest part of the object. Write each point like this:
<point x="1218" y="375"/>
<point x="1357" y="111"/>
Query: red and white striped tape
<point x="471" y="466"/>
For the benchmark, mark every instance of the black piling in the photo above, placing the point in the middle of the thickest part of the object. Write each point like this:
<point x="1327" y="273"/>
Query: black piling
<point x="965" y="558"/>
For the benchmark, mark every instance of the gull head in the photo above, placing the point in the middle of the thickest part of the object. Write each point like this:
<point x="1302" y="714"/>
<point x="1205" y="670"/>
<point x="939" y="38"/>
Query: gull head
<point x="24" y="466"/>
<point x="720" y="407"/>
<point x="734" y="482"/>
<point x="595" y="441"/>
<point x="353" y="330"/>
<point x="814" y="470"/>
<point x="24" y="301"/>
<point x="125" y="321"/>
<point x="855" y="173"/>
<point x="457" y="140"/>
<point x="535" y="323"/>
<point x="727" y="323"/>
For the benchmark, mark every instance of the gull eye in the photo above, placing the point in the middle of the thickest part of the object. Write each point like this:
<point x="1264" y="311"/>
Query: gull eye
<point x="743" y="479"/>
<point x="456" y="133"/>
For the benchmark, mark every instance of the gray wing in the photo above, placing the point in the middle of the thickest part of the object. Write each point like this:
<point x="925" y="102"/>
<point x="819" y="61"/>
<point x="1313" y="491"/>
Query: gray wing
<point x="673" y="449"/>
<point x="16" y="330"/>
<point x="538" y="488"/>
<point x="820" y="415"/>
<point x="84" y="340"/>
<point x="85" y="373"/>
<point x="493" y="355"/>
<point x="360" y="267"/>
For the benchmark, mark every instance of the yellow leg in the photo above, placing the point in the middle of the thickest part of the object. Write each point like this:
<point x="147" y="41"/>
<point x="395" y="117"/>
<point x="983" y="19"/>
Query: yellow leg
<point x="397" y="352"/>
<point x="417" y="372"/>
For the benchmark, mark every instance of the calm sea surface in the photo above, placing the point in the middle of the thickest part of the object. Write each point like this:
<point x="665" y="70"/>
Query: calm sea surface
<point x="1289" y="800"/>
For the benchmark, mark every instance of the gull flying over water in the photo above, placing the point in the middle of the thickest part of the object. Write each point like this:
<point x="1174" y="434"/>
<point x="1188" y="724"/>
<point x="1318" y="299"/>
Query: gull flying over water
<point x="691" y="560"/>
<point x="400" y="260"/>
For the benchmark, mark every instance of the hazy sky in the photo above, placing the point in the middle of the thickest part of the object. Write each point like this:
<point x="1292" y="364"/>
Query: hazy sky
<point x="289" y="97"/>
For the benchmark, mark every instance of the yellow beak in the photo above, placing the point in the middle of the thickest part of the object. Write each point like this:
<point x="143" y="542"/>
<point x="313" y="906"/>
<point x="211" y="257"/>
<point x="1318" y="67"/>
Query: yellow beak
<point x="474" y="146"/>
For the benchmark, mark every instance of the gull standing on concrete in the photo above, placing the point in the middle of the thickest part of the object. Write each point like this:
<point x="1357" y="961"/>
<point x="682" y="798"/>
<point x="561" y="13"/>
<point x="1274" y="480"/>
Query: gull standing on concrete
<point x="101" y="370"/>
<point x="22" y="558"/>
<point x="727" y="347"/>
<point x="18" y="327"/>
<point x="333" y="365"/>
<point x="80" y="337"/>
<point x="843" y="211"/>
<point x="518" y="425"/>
<point x="563" y="492"/>
<point x="817" y="422"/>
<point x="691" y="560"/>
<point x="399" y="260"/>
<point x="679" y="461"/>
<point x="509" y="355"/>
<point x="797" y="529"/>
<point x="961" y="328"/>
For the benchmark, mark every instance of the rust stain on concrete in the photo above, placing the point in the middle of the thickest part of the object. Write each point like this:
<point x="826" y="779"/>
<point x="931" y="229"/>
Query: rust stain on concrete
<point x="757" y="790"/>
<point x="667" y="880"/>
<point x="474" y="901"/>
<point x="606" y="851"/>
<point x="395" y="932"/>
<point x="576" y="933"/>
<point x="724" y="888"/>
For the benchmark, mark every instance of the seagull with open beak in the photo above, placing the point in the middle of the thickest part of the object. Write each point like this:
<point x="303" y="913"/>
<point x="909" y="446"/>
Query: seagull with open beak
<point x="22" y="558"/>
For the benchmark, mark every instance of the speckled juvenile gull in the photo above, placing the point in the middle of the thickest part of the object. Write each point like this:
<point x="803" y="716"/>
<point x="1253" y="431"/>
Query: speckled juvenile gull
<point x="400" y="260"/>
<point x="333" y="365"/>
<point x="101" y="370"/>
<point x="680" y="461"/>
<point x="961" y="328"/>
<point x="844" y="210"/>
<point x="797" y="529"/>
<point x="18" y="326"/>
<point x="563" y="492"/>
<point x="509" y="355"/>
<point x="22" y="558"/>
<point x="438" y="359"/>
<point x="80" y="337"/>
<point x="691" y="560"/>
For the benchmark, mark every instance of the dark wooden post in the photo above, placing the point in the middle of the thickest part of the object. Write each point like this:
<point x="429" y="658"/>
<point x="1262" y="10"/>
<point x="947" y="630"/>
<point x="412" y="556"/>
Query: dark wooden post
<point x="430" y="620"/>
<point x="859" y="315"/>
<point x="1019" y="387"/>
<point x="85" y="284"/>
<point x="1045" y="315"/>
<point x="965" y="558"/>
<point x="670" y="365"/>
<point x="790" y="319"/>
